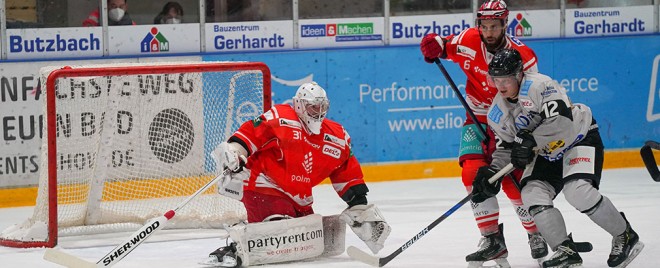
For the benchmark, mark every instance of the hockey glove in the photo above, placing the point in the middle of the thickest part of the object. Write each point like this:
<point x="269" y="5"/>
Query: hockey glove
<point x="368" y="224"/>
<point x="228" y="156"/>
<point x="522" y="152"/>
<point x="481" y="188"/>
<point x="432" y="46"/>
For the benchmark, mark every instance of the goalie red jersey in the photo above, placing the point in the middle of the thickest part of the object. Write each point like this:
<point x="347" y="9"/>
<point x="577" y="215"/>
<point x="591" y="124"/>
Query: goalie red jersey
<point x="469" y="52"/>
<point x="286" y="159"/>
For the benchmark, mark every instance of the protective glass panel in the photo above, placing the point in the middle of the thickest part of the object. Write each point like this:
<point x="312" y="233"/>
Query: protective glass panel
<point x="429" y="7"/>
<point x="323" y="9"/>
<point x="248" y="10"/>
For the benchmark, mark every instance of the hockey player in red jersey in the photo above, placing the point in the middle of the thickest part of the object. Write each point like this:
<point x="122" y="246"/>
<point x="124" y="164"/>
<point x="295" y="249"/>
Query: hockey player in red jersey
<point x="472" y="49"/>
<point x="289" y="150"/>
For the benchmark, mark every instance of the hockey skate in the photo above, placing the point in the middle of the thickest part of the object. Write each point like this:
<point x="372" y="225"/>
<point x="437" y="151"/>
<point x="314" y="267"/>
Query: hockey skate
<point x="625" y="247"/>
<point x="223" y="257"/>
<point x="491" y="248"/>
<point x="565" y="256"/>
<point x="538" y="247"/>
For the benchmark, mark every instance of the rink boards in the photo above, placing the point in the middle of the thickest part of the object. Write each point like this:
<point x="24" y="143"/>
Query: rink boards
<point x="403" y="117"/>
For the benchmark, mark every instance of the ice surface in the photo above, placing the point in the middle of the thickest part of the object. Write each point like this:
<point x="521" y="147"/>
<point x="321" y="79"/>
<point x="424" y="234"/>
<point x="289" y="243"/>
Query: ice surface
<point x="408" y="206"/>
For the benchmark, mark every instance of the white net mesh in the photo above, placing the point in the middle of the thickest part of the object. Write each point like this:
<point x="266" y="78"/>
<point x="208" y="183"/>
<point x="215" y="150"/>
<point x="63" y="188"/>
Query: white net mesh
<point x="133" y="146"/>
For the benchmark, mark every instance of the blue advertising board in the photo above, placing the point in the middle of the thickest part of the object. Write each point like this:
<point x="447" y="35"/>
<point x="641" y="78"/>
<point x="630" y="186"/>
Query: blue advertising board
<point x="398" y="108"/>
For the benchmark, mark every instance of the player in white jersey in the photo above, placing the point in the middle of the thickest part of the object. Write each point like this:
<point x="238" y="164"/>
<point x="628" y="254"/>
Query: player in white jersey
<point x="558" y="145"/>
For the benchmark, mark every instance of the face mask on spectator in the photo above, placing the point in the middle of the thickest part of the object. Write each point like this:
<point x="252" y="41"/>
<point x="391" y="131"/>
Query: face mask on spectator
<point x="116" y="14"/>
<point x="173" y="21"/>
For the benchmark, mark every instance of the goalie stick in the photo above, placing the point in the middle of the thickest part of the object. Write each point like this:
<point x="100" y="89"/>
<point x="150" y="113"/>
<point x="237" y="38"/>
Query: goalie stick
<point x="122" y="250"/>
<point x="649" y="159"/>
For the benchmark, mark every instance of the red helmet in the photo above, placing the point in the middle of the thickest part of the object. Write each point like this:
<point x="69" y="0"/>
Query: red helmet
<point x="493" y="10"/>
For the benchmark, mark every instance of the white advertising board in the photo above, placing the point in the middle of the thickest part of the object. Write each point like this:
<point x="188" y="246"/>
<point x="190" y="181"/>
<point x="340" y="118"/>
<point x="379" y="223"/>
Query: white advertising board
<point x="411" y="29"/>
<point x="534" y="23"/>
<point x="153" y="39"/>
<point x="341" y="32"/>
<point x="40" y="43"/>
<point x="21" y="113"/>
<point x="249" y="36"/>
<point x="609" y="21"/>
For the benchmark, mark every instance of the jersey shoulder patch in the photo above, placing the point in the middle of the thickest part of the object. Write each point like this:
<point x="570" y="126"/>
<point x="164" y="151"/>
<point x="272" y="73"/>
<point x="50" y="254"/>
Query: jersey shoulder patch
<point x="524" y="88"/>
<point x="466" y="51"/>
<point x="495" y="114"/>
<point x="515" y="40"/>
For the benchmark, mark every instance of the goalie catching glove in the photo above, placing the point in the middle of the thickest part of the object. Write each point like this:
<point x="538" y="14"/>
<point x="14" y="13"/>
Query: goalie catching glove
<point x="368" y="224"/>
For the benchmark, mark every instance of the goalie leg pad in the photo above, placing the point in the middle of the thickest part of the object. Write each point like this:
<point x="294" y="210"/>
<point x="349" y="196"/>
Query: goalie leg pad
<point x="279" y="241"/>
<point x="334" y="234"/>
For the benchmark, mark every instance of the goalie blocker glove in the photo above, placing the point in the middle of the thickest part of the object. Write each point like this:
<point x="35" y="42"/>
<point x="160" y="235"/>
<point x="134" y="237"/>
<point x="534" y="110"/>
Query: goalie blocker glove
<point x="227" y="155"/>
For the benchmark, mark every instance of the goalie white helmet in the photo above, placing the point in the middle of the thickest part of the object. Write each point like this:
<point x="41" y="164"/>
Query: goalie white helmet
<point x="311" y="104"/>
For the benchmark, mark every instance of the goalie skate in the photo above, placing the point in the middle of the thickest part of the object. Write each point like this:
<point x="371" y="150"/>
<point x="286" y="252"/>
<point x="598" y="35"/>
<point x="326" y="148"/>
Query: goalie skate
<point x="223" y="257"/>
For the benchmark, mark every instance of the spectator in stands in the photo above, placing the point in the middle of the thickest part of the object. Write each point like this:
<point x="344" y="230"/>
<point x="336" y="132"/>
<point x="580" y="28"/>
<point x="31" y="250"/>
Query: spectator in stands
<point x="172" y="13"/>
<point x="117" y="15"/>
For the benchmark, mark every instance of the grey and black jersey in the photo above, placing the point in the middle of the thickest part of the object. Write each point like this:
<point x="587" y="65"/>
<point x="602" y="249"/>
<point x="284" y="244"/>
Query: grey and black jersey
<point x="544" y="108"/>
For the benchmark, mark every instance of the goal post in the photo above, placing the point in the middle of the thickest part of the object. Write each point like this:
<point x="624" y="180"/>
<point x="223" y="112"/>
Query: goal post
<point x="126" y="142"/>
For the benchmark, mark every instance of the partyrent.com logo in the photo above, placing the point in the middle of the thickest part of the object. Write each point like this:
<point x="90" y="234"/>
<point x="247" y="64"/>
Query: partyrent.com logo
<point x="154" y="41"/>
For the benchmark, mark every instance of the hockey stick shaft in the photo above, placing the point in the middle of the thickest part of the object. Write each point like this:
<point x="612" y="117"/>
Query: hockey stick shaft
<point x="139" y="236"/>
<point x="364" y="257"/>
<point x="468" y="110"/>
<point x="649" y="159"/>
<point x="461" y="98"/>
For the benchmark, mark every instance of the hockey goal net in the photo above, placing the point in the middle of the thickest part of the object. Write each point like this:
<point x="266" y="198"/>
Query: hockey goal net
<point x="127" y="142"/>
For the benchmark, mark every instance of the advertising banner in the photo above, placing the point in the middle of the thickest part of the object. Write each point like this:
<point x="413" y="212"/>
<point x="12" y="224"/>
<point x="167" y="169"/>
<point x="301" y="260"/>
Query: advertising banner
<point x="341" y="32"/>
<point x="249" y="36"/>
<point x="54" y="43"/>
<point x="534" y="23"/>
<point x="153" y="39"/>
<point x="609" y="21"/>
<point x="396" y="107"/>
<point x="653" y="109"/>
<point x="522" y="24"/>
<point x="411" y="29"/>
<point x="21" y="117"/>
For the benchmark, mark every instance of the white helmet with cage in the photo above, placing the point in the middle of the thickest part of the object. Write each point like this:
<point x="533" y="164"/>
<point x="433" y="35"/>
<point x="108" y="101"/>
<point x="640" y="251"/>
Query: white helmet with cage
<point x="311" y="104"/>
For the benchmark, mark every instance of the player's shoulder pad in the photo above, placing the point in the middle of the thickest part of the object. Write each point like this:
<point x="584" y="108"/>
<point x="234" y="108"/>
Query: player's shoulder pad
<point x="335" y="133"/>
<point x="536" y="84"/>
<point x="334" y="128"/>
<point x="465" y="37"/>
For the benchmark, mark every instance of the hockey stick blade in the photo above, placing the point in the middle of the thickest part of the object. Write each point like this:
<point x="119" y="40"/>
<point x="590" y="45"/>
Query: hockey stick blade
<point x="155" y="224"/>
<point x="359" y="255"/>
<point x="66" y="259"/>
<point x="649" y="159"/>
